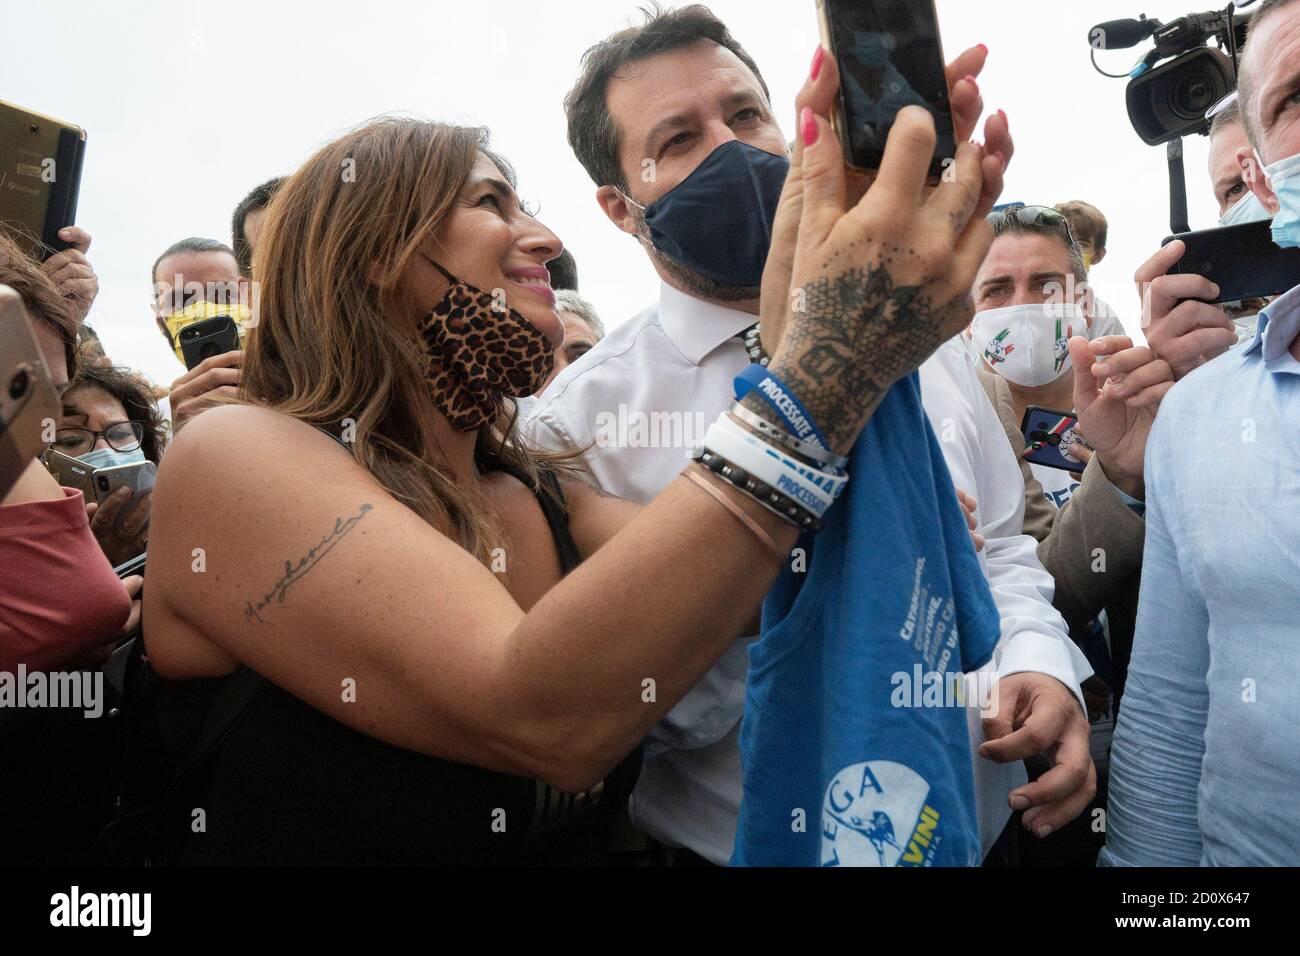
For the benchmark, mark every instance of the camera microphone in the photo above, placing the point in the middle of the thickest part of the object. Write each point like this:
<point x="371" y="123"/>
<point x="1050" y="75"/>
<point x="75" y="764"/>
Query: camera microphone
<point x="1121" y="34"/>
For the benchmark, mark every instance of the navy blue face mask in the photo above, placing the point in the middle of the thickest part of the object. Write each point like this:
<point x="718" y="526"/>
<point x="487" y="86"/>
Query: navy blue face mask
<point x="717" y="222"/>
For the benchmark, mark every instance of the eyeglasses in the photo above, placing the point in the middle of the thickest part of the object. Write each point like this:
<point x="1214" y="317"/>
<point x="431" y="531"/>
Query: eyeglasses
<point x="1043" y="216"/>
<point x="121" y="436"/>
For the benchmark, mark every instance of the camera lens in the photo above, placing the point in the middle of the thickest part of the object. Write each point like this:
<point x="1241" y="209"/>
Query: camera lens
<point x="1192" y="95"/>
<point x="103" y="483"/>
<point x="19" y="383"/>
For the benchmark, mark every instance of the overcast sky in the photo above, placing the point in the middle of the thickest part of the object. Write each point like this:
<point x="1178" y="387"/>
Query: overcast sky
<point x="189" y="104"/>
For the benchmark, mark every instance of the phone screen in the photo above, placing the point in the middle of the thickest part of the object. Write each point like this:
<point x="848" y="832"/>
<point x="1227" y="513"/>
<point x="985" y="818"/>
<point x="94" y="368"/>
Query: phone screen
<point x="1047" y="434"/>
<point x="889" y="57"/>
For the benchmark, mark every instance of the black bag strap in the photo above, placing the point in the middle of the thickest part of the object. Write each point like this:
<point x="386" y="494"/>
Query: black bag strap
<point x="226" y="711"/>
<point x="135" y="835"/>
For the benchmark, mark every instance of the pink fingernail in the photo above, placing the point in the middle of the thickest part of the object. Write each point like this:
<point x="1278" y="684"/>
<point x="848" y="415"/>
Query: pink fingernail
<point x="808" y="122"/>
<point x="984" y="48"/>
<point x="818" y="57"/>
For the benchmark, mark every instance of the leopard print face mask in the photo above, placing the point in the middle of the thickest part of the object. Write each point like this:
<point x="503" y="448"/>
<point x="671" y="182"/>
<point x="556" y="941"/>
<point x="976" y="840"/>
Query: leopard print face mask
<point x="478" y="352"/>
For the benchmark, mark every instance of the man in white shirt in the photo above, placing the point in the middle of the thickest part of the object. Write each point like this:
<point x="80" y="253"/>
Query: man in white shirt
<point x="645" y="394"/>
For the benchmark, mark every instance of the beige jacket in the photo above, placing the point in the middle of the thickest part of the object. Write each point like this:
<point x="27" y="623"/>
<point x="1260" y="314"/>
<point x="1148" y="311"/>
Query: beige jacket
<point x="1092" y="547"/>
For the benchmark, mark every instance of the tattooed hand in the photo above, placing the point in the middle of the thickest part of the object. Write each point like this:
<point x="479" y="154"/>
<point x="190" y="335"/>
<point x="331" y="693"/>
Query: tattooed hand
<point x="878" y="286"/>
<point x="819" y="94"/>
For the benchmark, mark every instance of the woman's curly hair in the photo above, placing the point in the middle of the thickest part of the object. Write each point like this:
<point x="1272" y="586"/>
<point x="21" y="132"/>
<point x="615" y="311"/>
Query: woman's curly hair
<point x="136" y="395"/>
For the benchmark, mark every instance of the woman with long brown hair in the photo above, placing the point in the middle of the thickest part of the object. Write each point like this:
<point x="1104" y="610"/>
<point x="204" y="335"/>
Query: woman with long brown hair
<point x="368" y="533"/>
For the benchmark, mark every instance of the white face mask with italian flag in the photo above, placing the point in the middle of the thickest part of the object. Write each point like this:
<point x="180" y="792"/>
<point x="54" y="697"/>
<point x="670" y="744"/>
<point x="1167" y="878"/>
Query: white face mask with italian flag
<point x="1026" y="344"/>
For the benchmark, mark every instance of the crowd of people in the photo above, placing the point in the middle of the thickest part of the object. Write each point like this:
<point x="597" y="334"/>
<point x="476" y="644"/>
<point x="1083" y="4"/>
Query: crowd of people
<point x="407" y="596"/>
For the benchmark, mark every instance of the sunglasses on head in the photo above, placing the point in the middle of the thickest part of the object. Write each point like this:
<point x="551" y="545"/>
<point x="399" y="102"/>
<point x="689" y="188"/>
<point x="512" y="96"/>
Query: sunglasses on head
<point x="1033" y="216"/>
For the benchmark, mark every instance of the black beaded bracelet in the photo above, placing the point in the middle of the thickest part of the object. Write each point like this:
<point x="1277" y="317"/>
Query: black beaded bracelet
<point x="780" y="505"/>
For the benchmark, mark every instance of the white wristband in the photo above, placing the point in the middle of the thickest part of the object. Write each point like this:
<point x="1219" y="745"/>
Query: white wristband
<point x="810" y="487"/>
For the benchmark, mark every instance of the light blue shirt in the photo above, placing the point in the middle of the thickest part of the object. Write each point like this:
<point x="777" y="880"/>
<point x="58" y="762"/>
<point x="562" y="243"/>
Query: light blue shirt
<point x="1205" y="767"/>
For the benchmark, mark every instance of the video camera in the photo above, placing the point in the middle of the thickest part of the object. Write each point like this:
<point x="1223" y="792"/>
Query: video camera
<point x="1169" y="101"/>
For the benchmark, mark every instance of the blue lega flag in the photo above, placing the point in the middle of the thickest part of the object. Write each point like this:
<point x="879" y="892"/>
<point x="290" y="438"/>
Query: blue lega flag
<point x="893" y="587"/>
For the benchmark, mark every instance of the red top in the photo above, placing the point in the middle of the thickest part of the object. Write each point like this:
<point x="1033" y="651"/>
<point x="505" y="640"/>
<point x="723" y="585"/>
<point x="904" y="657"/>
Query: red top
<point x="58" y="594"/>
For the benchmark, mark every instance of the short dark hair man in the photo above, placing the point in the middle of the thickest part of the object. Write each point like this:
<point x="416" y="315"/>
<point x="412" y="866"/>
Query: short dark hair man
<point x="564" y="272"/>
<point x="193" y="280"/>
<point x="246" y="223"/>
<point x="654" y="105"/>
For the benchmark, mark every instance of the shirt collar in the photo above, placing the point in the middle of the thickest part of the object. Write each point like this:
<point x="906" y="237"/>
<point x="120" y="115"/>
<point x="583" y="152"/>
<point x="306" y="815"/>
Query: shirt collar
<point x="1279" y="324"/>
<point x="697" y="327"/>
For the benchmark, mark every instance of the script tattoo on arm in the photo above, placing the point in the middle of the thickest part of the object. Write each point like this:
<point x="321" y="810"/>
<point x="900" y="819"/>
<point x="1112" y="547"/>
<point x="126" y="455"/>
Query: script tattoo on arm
<point x="859" y="333"/>
<point x="296" y="571"/>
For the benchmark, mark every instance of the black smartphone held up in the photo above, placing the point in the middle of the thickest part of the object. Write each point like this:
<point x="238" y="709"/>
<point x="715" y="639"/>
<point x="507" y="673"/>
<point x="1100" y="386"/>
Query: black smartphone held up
<point x="202" y="340"/>
<point x="1243" y="261"/>
<point x="890" y="56"/>
<point x="1047" y="433"/>
<point x="40" y="178"/>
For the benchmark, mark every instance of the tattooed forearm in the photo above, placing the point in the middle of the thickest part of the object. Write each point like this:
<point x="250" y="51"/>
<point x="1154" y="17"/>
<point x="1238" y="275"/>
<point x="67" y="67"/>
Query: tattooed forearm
<point x="859" y="333"/>
<point x="295" y="572"/>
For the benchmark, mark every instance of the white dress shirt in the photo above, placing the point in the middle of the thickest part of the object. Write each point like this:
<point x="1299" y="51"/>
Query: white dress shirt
<point x="642" y="399"/>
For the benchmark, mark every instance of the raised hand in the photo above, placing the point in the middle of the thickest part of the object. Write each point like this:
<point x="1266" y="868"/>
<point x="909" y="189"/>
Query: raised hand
<point x="1183" y="331"/>
<point x="216" y="377"/>
<point x="878" y="285"/>
<point x="72" y="272"/>
<point x="818" y="94"/>
<point x="1117" y="390"/>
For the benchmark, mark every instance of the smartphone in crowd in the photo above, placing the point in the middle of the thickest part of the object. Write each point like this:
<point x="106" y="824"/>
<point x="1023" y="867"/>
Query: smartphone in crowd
<point x="29" y="405"/>
<point x="1047" y="434"/>
<point x="202" y="340"/>
<point x="40" y="178"/>
<point x="890" y="56"/>
<point x="1243" y="261"/>
<point x="69" y="472"/>
<point x="139" y="476"/>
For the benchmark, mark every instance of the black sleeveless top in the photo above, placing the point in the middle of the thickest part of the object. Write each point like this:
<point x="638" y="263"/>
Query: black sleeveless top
<point x="289" y="785"/>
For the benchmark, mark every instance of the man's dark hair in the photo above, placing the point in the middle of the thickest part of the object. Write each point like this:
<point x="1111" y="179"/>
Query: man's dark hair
<point x="192" y="244"/>
<point x="564" y="271"/>
<point x="259" y="198"/>
<point x="1015" y="226"/>
<point x="593" y="134"/>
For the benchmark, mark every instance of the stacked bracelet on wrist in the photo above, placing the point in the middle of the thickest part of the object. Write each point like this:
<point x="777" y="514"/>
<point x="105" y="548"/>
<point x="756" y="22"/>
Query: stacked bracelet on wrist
<point x="796" y="419"/>
<point x="797" y="491"/>
<point x="773" y="501"/>
<point x="815" y="453"/>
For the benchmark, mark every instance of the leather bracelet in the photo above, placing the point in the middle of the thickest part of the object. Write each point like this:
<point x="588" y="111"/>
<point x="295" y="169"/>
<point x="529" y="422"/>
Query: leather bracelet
<point x="783" y="507"/>
<point x="815" y="453"/>
<point x="759" y="531"/>
<point x="761" y="459"/>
